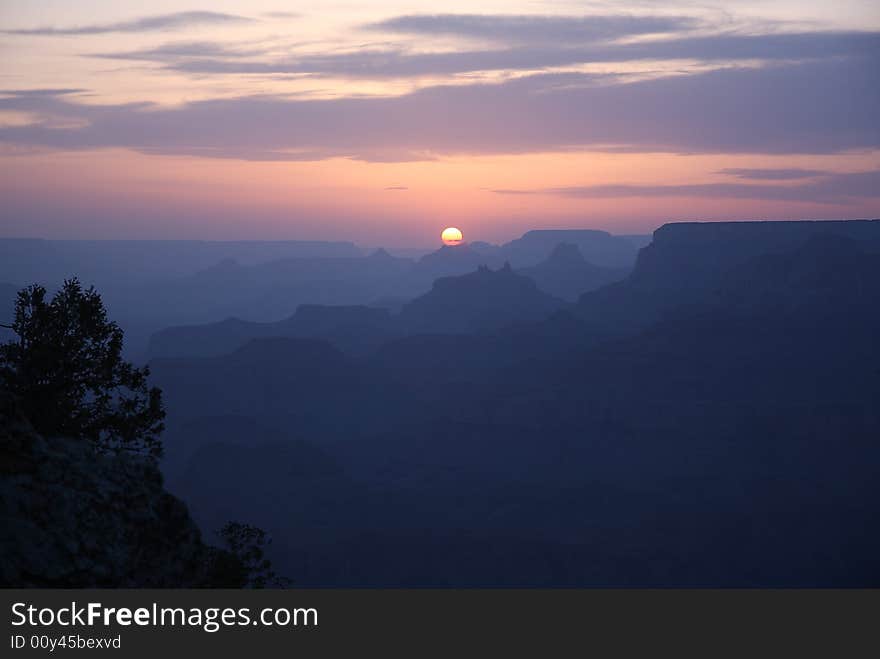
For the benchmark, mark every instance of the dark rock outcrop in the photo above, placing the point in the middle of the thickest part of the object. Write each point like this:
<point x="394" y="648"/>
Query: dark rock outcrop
<point x="828" y="272"/>
<point x="599" y="247"/>
<point x="566" y="274"/>
<point x="693" y="256"/>
<point x="479" y="301"/>
<point x="355" y="329"/>
<point x="688" y="263"/>
<point x="448" y="261"/>
<point x="70" y="518"/>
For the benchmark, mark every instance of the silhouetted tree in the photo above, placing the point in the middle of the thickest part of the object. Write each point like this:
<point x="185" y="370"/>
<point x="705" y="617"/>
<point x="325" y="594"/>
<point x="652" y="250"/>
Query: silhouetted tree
<point x="224" y="570"/>
<point x="247" y="543"/>
<point x="66" y="367"/>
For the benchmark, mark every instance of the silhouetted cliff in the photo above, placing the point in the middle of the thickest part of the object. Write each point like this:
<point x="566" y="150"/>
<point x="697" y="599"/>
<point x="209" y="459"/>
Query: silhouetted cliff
<point x="354" y="329"/>
<point x="483" y="300"/>
<point x="566" y="274"/>
<point x="448" y="261"/>
<point x="731" y="421"/>
<point x="70" y="518"/>
<point x="687" y="262"/>
<point x="598" y="247"/>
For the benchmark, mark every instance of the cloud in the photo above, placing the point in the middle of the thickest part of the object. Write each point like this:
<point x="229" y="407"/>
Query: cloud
<point x="772" y="174"/>
<point x="834" y="189"/>
<point x="534" y="29"/>
<point x="391" y="62"/>
<point x="178" y="50"/>
<point x="47" y="92"/>
<point x="826" y="106"/>
<point x="397" y="187"/>
<point x="173" y="21"/>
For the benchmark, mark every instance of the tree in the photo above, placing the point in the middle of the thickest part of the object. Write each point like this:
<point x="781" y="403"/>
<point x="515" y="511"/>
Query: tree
<point x="246" y="544"/>
<point x="66" y="368"/>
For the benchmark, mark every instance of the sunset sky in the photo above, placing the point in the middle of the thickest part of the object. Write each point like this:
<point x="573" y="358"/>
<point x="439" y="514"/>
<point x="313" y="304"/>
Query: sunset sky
<point x="384" y="121"/>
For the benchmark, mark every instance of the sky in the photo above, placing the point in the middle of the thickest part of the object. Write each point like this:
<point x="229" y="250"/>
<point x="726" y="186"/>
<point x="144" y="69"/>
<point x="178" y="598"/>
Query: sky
<point x="384" y="121"/>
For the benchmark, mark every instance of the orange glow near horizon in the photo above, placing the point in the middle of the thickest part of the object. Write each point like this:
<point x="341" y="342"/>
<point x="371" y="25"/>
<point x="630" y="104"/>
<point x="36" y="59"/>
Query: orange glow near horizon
<point x="123" y="194"/>
<point x="333" y="124"/>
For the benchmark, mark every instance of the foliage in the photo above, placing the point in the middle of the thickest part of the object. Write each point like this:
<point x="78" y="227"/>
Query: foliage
<point x="66" y="367"/>
<point x="247" y="544"/>
<point x="224" y="570"/>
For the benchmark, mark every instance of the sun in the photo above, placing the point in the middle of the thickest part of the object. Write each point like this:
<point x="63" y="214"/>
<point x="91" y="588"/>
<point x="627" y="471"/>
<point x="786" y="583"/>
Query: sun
<point x="451" y="236"/>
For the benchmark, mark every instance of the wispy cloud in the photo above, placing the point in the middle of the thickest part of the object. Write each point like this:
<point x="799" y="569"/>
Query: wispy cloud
<point x="400" y="63"/>
<point x="534" y="28"/>
<point x="160" y="22"/>
<point x="834" y="189"/>
<point x="818" y="106"/>
<point x="772" y="174"/>
<point x="45" y="92"/>
<point x="283" y="15"/>
<point x="181" y="50"/>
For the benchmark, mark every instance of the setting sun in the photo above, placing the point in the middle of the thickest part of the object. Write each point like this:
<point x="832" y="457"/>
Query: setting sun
<point x="451" y="236"/>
